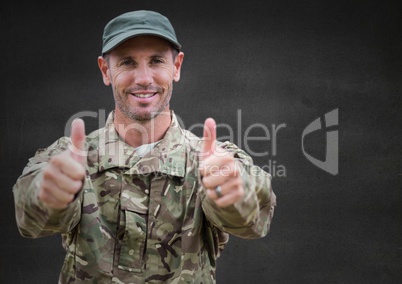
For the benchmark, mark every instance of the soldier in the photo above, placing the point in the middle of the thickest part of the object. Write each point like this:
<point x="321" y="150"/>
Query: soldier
<point x="142" y="200"/>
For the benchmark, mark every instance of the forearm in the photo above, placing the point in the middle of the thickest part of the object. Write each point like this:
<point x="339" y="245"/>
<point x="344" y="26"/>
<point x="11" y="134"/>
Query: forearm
<point x="34" y="218"/>
<point x="251" y="216"/>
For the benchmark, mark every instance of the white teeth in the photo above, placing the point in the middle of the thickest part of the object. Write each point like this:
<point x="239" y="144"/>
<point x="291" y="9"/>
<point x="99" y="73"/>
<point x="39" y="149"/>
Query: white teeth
<point x="143" y="95"/>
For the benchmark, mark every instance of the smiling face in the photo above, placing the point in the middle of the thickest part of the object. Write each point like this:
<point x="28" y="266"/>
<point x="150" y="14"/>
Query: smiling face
<point x="141" y="72"/>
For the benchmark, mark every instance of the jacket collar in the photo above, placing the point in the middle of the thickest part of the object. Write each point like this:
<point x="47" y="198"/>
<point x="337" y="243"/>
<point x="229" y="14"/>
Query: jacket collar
<point x="168" y="157"/>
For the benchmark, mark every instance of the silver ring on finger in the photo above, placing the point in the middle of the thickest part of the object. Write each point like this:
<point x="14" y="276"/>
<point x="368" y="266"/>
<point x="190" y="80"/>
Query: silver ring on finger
<point x="218" y="191"/>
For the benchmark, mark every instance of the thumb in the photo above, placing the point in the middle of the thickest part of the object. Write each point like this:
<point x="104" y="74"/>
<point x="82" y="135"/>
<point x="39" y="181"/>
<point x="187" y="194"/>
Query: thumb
<point x="209" y="139"/>
<point x="77" y="148"/>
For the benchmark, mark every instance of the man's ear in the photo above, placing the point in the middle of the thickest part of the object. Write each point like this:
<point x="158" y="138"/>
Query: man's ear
<point x="177" y="66"/>
<point x="104" y="68"/>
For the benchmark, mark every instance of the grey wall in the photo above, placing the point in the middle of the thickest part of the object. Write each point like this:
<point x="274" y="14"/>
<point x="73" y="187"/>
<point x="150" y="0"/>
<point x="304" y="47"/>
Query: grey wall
<point x="275" y="62"/>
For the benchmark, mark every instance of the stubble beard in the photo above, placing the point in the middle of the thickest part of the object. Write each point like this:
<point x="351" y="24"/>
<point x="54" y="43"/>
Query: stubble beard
<point x="136" y="115"/>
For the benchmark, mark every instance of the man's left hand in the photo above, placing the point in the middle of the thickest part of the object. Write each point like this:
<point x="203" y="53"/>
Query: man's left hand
<point x="219" y="170"/>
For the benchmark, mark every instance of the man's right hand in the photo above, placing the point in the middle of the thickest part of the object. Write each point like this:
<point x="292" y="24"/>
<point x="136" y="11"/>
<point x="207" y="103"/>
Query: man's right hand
<point x="63" y="176"/>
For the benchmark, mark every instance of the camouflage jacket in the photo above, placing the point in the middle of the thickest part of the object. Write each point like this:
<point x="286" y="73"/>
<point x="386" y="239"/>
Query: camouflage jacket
<point x="143" y="220"/>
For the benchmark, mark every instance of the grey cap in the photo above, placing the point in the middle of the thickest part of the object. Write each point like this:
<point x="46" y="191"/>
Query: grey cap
<point x="137" y="23"/>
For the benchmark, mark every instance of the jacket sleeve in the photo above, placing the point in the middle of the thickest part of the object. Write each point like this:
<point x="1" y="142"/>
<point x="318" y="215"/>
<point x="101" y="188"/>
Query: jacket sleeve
<point x="33" y="218"/>
<point x="250" y="217"/>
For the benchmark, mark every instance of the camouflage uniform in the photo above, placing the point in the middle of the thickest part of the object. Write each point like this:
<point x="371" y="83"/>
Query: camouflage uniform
<point x="143" y="220"/>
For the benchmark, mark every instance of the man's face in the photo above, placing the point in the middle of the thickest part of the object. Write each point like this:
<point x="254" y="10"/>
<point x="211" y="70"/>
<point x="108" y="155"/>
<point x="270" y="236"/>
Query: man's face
<point x="141" y="71"/>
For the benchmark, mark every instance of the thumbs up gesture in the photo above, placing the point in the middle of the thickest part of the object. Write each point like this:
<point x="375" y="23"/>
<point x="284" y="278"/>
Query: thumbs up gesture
<point x="220" y="176"/>
<point x="63" y="176"/>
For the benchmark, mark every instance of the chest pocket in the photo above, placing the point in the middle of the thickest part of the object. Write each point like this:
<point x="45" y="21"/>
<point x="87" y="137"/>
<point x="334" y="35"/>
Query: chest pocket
<point x="134" y="213"/>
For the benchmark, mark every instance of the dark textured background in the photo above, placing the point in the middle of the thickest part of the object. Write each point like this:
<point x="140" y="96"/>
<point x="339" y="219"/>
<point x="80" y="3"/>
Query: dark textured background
<point x="276" y="61"/>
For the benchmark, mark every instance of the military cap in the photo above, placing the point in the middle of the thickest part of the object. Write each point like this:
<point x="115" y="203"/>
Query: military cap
<point x="137" y="23"/>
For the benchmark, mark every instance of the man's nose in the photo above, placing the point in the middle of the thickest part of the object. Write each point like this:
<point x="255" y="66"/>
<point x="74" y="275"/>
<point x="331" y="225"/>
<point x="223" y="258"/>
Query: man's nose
<point x="143" y="76"/>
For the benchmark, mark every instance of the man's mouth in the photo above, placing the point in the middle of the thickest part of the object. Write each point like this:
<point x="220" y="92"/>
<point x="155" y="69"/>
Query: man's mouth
<point x="143" y="95"/>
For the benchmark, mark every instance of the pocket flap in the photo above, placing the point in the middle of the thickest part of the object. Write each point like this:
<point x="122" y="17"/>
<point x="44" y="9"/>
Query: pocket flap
<point x="134" y="202"/>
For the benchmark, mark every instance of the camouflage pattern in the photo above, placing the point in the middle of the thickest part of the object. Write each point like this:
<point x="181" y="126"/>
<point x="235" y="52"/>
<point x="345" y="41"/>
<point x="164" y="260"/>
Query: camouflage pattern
<point x="143" y="220"/>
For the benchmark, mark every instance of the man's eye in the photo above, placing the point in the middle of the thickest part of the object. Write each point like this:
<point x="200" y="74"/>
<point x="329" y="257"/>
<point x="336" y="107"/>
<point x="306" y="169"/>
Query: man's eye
<point x="156" y="61"/>
<point x="127" y="62"/>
